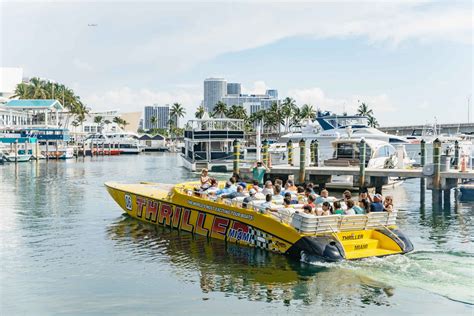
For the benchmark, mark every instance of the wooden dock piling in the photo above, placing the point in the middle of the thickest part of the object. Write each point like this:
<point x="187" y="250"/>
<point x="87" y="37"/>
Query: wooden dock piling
<point x="436" y="164"/>
<point x="289" y="147"/>
<point x="316" y="153"/>
<point x="302" y="175"/>
<point x="456" y="155"/>
<point x="236" y="156"/>
<point x="265" y="152"/>
<point x="362" y="153"/>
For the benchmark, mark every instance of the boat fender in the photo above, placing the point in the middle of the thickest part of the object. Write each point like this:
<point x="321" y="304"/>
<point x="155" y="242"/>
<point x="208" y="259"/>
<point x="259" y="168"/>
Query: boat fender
<point x="408" y="247"/>
<point x="321" y="248"/>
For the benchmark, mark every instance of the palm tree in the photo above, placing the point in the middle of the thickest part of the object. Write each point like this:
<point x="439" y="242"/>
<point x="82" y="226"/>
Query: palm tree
<point x="274" y="117"/>
<point x="237" y="112"/>
<point x="38" y="88"/>
<point x="287" y="108"/>
<point x="22" y="91"/>
<point x="98" y="120"/>
<point x="200" y="112"/>
<point x="220" y="110"/>
<point x="364" y="110"/>
<point x="308" y="112"/>
<point x="75" y="124"/>
<point x="372" y="122"/>
<point x="153" y="121"/>
<point x="176" y="112"/>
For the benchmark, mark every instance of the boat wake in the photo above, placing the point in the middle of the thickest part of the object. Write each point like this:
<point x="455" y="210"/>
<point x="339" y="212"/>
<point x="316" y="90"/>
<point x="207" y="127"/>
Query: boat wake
<point x="449" y="274"/>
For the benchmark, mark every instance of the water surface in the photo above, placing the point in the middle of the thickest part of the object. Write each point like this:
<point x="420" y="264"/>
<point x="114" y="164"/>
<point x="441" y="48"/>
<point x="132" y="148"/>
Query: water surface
<point x="67" y="249"/>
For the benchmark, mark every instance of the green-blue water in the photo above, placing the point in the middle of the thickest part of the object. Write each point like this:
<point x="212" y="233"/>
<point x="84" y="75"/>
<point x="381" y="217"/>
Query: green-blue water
<point x="66" y="249"/>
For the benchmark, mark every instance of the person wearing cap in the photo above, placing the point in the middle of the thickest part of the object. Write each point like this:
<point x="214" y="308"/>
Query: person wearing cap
<point x="377" y="205"/>
<point x="258" y="172"/>
<point x="249" y="198"/>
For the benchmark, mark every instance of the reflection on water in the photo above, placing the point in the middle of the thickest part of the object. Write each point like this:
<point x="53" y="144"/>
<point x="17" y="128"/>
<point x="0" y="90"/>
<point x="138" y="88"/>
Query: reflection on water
<point x="64" y="246"/>
<point x="248" y="273"/>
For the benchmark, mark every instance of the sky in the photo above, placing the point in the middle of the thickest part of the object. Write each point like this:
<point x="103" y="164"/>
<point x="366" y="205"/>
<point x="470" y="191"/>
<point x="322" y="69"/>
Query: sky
<point x="410" y="61"/>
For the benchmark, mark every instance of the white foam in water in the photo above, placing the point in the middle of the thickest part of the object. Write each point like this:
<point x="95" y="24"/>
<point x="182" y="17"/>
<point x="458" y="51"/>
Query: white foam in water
<point x="446" y="274"/>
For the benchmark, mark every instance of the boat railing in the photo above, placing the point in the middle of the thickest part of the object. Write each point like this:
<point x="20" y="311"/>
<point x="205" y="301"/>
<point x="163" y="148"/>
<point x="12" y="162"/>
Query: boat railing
<point x="309" y="223"/>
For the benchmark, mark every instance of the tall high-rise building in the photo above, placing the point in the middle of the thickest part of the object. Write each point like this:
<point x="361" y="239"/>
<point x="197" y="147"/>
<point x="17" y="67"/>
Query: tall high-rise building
<point x="161" y="113"/>
<point x="214" y="90"/>
<point x="272" y="93"/>
<point x="234" y="88"/>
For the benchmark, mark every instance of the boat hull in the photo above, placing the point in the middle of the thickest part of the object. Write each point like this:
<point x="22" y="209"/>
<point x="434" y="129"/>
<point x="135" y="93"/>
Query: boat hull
<point x="153" y="204"/>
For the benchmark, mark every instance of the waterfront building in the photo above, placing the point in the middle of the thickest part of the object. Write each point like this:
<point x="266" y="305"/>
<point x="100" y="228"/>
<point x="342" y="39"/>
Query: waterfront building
<point x="234" y="88"/>
<point x="272" y="93"/>
<point x="214" y="90"/>
<point x="217" y="89"/>
<point x="251" y="102"/>
<point x="161" y="113"/>
<point x="21" y="113"/>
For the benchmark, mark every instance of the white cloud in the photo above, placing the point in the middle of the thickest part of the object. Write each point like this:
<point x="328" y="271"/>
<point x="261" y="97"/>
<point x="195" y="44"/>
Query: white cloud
<point x="259" y="87"/>
<point x="381" y="103"/>
<point x="82" y="65"/>
<point x="130" y="100"/>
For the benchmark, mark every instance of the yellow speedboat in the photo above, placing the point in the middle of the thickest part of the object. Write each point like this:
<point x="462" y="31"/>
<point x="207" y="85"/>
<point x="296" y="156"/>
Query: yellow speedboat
<point x="328" y="238"/>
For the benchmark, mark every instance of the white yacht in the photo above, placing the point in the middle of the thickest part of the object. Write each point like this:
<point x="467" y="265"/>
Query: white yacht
<point x="114" y="143"/>
<point x="379" y="154"/>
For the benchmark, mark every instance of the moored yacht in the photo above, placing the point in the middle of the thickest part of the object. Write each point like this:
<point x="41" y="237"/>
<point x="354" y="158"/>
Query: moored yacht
<point x="208" y="143"/>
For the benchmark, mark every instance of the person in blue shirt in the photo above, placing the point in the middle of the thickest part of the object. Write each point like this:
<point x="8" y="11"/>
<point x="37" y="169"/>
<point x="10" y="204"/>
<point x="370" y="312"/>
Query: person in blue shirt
<point x="377" y="205"/>
<point x="229" y="188"/>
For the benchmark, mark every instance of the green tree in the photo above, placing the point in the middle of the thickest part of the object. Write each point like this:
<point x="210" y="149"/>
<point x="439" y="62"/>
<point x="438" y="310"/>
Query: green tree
<point x="153" y="121"/>
<point x="237" y="112"/>
<point x="288" y="106"/>
<point x="200" y="112"/>
<point x="372" y="122"/>
<point x="176" y="112"/>
<point x="364" y="110"/>
<point x="219" y="110"/>
<point x="99" y="121"/>
<point x="307" y="112"/>
<point x="274" y="118"/>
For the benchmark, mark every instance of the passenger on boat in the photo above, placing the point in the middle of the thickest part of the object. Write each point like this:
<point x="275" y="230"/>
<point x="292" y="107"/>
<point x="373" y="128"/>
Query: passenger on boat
<point x="228" y="189"/>
<point x="388" y="204"/>
<point x="267" y="205"/>
<point x="350" y="208"/>
<point x="286" y="211"/>
<point x="364" y="204"/>
<point x="307" y="209"/>
<point x="233" y="180"/>
<point x="205" y="179"/>
<point x="268" y="189"/>
<point x="311" y="203"/>
<point x="310" y="186"/>
<point x="239" y="180"/>
<point x="358" y="209"/>
<point x="249" y="198"/>
<point x="326" y="209"/>
<point x="258" y="172"/>
<point x="279" y="182"/>
<point x="213" y="188"/>
<point x="277" y="197"/>
<point x="323" y="197"/>
<point x="238" y="193"/>
<point x="338" y="210"/>
<point x="255" y="186"/>
<point x="347" y="195"/>
<point x="376" y="205"/>
<point x="290" y="186"/>
<point x="293" y="198"/>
